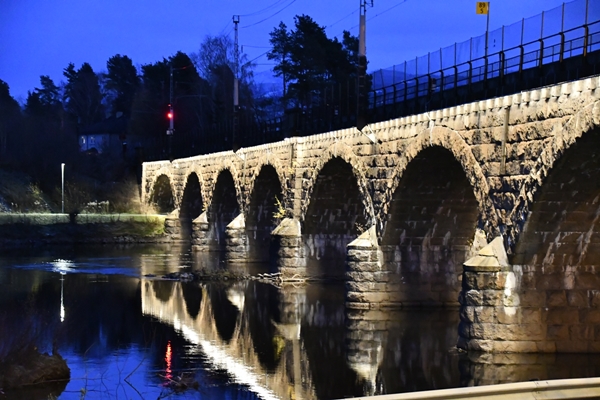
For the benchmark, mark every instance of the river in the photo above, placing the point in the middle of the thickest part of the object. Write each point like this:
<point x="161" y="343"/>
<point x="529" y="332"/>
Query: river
<point x="126" y="333"/>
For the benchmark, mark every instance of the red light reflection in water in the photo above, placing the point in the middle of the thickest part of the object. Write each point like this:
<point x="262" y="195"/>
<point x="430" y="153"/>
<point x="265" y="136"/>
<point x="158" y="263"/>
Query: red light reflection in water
<point x="168" y="355"/>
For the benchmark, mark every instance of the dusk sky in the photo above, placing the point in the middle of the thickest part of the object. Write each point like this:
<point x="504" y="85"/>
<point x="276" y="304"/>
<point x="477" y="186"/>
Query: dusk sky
<point x="41" y="37"/>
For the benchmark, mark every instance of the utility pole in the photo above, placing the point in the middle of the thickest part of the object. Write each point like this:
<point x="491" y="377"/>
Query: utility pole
<point x="236" y="80"/>
<point x="171" y="129"/>
<point x="170" y="114"/>
<point x="361" y="104"/>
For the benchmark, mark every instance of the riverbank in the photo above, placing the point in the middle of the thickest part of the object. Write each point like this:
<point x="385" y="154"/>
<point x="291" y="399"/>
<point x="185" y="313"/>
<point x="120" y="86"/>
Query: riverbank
<point x="33" y="229"/>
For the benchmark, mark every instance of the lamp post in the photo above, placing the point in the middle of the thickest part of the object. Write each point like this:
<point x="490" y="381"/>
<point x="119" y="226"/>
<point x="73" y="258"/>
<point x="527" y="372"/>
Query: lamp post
<point x="62" y="177"/>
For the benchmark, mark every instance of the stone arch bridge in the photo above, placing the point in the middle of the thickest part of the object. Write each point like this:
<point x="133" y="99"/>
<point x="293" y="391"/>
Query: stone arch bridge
<point x="399" y="208"/>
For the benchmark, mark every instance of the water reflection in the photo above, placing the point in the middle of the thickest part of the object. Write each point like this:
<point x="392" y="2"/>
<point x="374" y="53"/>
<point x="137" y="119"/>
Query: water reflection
<point x="129" y="334"/>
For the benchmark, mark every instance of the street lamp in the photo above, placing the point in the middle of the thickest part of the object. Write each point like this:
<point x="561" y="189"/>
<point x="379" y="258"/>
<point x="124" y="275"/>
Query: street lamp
<point x="62" y="176"/>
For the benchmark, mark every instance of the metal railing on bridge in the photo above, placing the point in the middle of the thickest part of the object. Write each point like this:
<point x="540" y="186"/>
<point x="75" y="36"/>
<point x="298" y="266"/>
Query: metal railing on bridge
<point x="555" y="46"/>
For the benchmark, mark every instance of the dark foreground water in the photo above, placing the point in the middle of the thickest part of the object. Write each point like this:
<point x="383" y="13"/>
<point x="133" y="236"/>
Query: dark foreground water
<point x="126" y="335"/>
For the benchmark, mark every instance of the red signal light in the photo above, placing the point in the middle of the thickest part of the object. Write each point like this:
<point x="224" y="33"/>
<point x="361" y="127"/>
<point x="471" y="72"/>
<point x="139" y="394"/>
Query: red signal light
<point x="170" y="115"/>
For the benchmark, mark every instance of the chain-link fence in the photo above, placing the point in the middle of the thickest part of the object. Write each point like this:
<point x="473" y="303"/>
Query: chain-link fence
<point x="566" y="23"/>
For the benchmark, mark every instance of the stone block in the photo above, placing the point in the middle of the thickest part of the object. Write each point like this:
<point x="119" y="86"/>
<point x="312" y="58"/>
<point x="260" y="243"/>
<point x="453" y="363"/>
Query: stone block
<point x="364" y="266"/>
<point x="587" y="281"/>
<point x="577" y="298"/>
<point x="556" y="298"/>
<point x="290" y="241"/>
<point x="467" y="314"/>
<point x="484" y="330"/>
<point x="289" y="252"/>
<point x="355" y="255"/>
<point x="557" y="332"/>
<point x="366" y="287"/>
<point x="492" y="297"/>
<point x="368" y="297"/>
<point x="562" y="316"/>
<point x="550" y="282"/>
<point x="485" y="280"/>
<point x="479" y="345"/>
<point x="484" y="314"/>
<point x="464" y="329"/>
<point x="357" y="306"/>
<point x="531" y="315"/>
<point x="533" y="298"/>
<point x="514" y="346"/>
<point x="581" y="332"/>
<point x="473" y="298"/>
<point x="589" y="316"/>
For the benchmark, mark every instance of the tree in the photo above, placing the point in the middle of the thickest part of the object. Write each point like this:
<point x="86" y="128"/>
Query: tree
<point x="281" y="41"/>
<point x="10" y="119"/>
<point x="216" y="64"/>
<point x="122" y="81"/>
<point x="83" y="98"/>
<point x="190" y="101"/>
<point x="311" y="64"/>
<point x="49" y="93"/>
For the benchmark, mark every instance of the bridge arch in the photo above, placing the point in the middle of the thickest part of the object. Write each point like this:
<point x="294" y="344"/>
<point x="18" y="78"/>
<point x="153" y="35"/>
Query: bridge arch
<point x="263" y="162"/>
<point x="452" y="141"/>
<point x="213" y="180"/>
<point x="433" y="206"/>
<point x="191" y="202"/>
<point x="344" y="152"/>
<point x="337" y="208"/>
<point x="161" y="193"/>
<point x="264" y="209"/>
<point x="566" y="134"/>
<point x="224" y="205"/>
<point x="556" y="237"/>
<point x="195" y="169"/>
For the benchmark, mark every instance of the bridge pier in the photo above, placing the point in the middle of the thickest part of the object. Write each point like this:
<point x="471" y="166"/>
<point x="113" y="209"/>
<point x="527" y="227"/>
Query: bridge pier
<point x="173" y="227"/>
<point x="236" y="240"/>
<point x="290" y="250"/>
<point x="201" y="233"/>
<point x="491" y="317"/>
<point x="366" y="281"/>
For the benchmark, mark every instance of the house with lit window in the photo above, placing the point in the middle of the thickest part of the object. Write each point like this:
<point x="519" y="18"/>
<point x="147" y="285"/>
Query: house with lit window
<point x="108" y="135"/>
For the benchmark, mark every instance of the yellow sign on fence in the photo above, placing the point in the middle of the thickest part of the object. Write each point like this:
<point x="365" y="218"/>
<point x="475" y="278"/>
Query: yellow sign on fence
<point x="483" y="7"/>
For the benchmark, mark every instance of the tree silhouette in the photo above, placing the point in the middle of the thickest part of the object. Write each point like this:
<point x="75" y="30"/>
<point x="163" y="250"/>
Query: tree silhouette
<point x="10" y="119"/>
<point x="310" y="63"/>
<point x="122" y="81"/>
<point x="83" y="98"/>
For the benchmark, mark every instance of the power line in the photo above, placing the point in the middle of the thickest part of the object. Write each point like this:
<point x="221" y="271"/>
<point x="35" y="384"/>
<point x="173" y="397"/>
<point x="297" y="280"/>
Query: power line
<point x="256" y="47"/>
<point x="270" y="16"/>
<point x="377" y="15"/>
<point x="263" y="10"/>
<point x="226" y="26"/>
<point x="384" y="11"/>
<point x="340" y="20"/>
<point x="256" y="58"/>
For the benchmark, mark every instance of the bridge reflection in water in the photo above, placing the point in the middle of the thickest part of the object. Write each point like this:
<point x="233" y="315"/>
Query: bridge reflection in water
<point x="303" y="343"/>
<point x="236" y="352"/>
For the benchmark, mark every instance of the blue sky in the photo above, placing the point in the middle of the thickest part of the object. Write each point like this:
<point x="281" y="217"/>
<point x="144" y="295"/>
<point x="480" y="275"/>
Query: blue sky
<point x="41" y="37"/>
